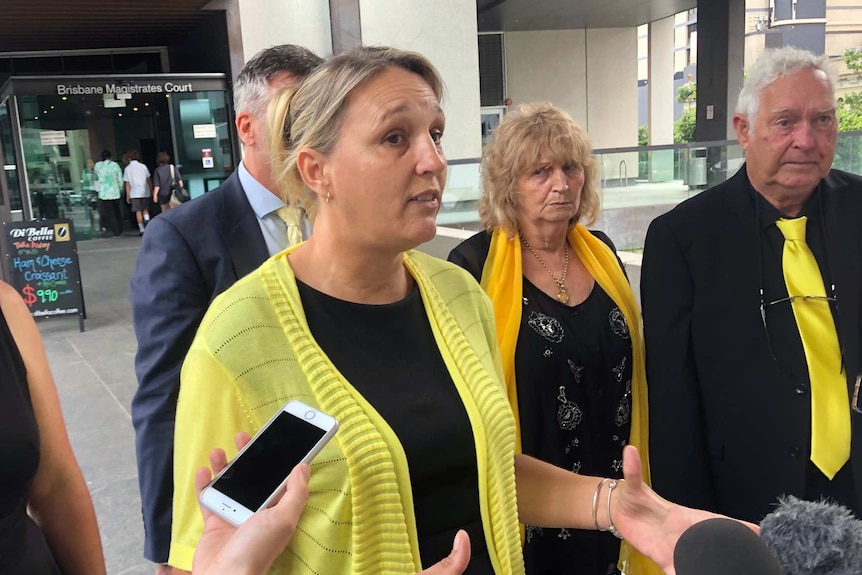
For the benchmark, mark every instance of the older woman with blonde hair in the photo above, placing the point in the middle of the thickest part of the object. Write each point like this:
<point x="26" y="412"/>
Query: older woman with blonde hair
<point x="398" y="346"/>
<point x="567" y="321"/>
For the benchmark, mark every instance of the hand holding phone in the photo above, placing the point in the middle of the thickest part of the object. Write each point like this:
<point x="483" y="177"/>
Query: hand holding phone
<point x="223" y="549"/>
<point x="256" y="477"/>
<point x="251" y="549"/>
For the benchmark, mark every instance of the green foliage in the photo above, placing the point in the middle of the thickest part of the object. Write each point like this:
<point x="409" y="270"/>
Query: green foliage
<point x="850" y="105"/>
<point x="847" y="154"/>
<point x="643" y="136"/>
<point x="850" y="112"/>
<point x="853" y="59"/>
<point x="683" y="129"/>
<point x="687" y="93"/>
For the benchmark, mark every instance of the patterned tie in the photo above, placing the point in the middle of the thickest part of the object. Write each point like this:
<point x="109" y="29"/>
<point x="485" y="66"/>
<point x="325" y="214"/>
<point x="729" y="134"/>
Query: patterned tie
<point x="830" y="408"/>
<point x="292" y="216"/>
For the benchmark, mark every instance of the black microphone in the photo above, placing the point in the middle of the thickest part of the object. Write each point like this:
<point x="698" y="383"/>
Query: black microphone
<point x="722" y="547"/>
<point x="813" y="538"/>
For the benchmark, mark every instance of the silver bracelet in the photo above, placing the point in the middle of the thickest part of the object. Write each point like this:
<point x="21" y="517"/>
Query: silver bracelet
<point x="611" y="527"/>
<point x="596" y="502"/>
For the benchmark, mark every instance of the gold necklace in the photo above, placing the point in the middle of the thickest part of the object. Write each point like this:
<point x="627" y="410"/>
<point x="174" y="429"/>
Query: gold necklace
<point x="562" y="292"/>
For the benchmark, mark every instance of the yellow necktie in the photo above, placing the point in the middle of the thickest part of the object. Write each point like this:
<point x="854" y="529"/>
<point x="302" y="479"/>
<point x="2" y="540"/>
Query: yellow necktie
<point x="830" y="407"/>
<point x="292" y="216"/>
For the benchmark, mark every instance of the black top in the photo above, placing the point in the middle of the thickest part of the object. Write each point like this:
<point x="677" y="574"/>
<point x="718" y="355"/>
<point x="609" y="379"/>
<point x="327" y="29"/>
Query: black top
<point x="389" y="354"/>
<point x="781" y="323"/>
<point x="573" y="366"/>
<point x="22" y="546"/>
<point x="162" y="178"/>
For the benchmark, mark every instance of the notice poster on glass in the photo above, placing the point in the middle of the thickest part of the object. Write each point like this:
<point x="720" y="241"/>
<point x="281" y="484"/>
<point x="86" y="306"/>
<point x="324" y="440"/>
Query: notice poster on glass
<point x="42" y="259"/>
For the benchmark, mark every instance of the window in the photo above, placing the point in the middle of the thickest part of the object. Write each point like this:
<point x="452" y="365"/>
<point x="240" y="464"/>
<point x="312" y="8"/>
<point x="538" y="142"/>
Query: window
<point x="492" y="79"/>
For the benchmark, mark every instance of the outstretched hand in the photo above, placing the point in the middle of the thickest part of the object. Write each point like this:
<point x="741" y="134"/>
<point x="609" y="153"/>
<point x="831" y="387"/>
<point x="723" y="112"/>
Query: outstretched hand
<point x="251" y="548"/>
<point x="458" y="559"/>
<point x="653" y="525"/>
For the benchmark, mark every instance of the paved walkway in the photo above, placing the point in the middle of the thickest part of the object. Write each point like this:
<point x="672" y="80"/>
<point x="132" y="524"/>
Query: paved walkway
<point x="95" y="377"/>
<point x="94" y="372"/>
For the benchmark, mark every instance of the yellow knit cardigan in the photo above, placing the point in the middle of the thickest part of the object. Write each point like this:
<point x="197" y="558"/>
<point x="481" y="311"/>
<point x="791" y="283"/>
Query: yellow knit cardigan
<point x="254" y="352"/>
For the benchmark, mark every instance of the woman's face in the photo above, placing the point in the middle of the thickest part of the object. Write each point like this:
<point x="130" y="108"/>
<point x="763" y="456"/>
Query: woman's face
<point x="550" y="192"/>
<point x="387" y="170"/>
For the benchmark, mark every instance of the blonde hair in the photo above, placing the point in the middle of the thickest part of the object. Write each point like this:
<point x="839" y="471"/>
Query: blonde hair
<point x="531" y="132"/>
<point x="310" y="115"/>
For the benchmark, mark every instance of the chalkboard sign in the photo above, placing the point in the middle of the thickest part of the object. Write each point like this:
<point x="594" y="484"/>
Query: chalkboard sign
<point x="42" y="259"/>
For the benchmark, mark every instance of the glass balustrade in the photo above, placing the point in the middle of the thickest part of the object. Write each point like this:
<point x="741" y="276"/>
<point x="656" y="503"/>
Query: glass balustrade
<point x="637" y="183"/>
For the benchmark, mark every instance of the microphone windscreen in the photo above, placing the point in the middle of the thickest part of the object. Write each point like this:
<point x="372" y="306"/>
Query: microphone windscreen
<point x="813" y="538"/>
<point x="722" y="547"/>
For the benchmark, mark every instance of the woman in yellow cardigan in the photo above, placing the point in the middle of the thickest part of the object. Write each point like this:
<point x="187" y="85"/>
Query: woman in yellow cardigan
<point x="250" y="550"/>
<point x="567" y="321"/>
<point x="398" y="346"/>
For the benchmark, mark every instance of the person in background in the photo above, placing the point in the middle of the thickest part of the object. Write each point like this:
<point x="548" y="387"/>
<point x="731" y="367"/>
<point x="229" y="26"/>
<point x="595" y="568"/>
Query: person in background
<point x="138" y="184"/>
<point x="567" y="320"/>
<point x="398" y="346"/>
<point x="163" y="180"/>
<point x="47" y="522"/>
<point x="109" y="178"/>
<point x="751" y="298"/>
<point x="187" y="258"/>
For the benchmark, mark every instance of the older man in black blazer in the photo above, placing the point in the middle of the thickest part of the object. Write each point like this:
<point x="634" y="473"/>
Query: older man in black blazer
<point x="745" y="404"/>
<point x="188" y="257"/>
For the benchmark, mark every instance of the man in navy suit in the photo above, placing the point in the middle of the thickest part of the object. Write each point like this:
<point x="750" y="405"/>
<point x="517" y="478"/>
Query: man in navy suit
<point x="188" y="257"/>
<point x="736" y="382"/>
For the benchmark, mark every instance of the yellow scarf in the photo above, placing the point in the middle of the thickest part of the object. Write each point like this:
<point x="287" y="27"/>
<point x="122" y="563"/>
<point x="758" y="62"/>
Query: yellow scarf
<point x="502" y="280"/>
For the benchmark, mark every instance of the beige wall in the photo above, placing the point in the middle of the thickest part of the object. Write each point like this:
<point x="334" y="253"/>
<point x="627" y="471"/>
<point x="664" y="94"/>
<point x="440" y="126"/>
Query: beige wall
<point x="661" y="71"/>
<point x="612" y="95"/>
<point x="302" y="22"/>
<point x="445" y="31"/>
<point x="592" y="75"/>
<point x="643" y="52"/>
<point x="548" y="66"/>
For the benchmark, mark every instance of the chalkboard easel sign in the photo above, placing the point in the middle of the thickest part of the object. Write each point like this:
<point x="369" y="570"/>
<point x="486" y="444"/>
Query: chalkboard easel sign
<point x="42" y="258"/>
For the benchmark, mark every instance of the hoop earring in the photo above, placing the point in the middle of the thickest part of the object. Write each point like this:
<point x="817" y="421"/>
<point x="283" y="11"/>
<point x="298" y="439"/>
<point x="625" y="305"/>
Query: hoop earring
<point x="328" y="196"/>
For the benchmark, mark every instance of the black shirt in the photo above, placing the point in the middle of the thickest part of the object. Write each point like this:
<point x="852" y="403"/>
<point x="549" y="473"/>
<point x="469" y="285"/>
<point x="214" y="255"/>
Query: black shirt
<point x="573" y="367"/>
<point x="23" y="548"/>
<point x="781" y="324"/>
<point x="389" y="354"/>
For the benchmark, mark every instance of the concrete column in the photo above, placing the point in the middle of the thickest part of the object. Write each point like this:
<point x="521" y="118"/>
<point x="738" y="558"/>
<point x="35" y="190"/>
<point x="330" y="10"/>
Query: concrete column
<point x="736" y="60"/>
<point x="561" y="79"/>
<point x="346" y="29"/>
<point x="720" y="24"/>
<point x="612" y="87"/>
<point x="234" y="33"/>
<point x="661" y="92"/>
<point x="612" y="99"/>
<point x="302" y="22"/>
<point x="446" y="32"/>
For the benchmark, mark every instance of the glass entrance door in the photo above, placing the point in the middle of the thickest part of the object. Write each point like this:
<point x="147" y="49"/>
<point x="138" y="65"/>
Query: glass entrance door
<point x="9" y="162"/>
<point x="63" y="137"/>
<point x="60" y="126"/>
<point x="491" y="118"/>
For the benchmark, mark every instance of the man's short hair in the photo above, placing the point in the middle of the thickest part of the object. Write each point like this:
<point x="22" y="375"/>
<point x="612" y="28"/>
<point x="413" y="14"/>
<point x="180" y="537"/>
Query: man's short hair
<point x="251" y="90"/>
<point x="777" y="63"/>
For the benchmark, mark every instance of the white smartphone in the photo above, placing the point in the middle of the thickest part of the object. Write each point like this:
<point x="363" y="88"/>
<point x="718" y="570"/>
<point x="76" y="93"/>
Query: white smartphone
<point x="256" y="477"/>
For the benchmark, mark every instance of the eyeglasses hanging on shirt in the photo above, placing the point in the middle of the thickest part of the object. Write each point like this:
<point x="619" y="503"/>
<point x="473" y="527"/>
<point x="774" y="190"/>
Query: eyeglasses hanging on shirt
<point x="831" y="297"/>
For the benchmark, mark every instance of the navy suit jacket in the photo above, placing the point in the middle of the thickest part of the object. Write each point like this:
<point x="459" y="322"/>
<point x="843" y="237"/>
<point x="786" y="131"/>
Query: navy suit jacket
<point x="189" y="255"/>
<point x="729" y="428"/>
